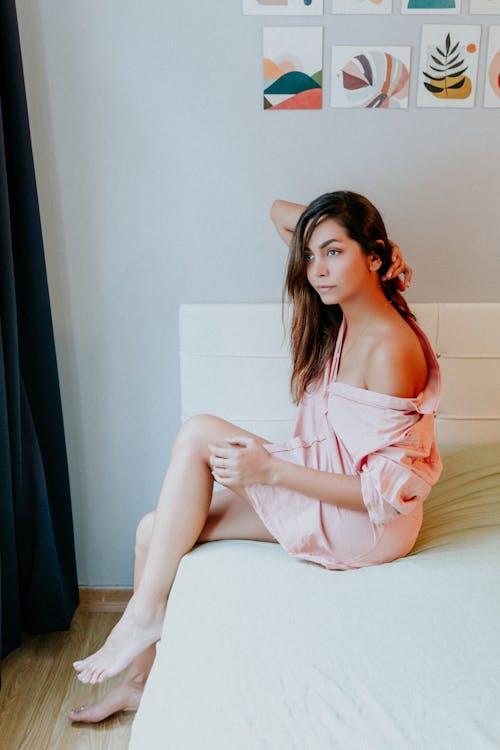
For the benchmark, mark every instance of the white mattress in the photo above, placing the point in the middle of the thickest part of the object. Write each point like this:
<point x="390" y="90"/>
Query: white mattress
<point x="261" y="651"/>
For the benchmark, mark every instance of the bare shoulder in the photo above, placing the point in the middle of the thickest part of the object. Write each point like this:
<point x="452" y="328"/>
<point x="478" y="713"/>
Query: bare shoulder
<point x="396" y="364"/>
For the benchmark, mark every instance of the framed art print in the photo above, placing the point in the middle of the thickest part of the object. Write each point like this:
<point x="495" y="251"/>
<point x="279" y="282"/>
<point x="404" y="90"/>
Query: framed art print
<point x="484" y="7"/>
<point x="293" y="67"/>
<point x="370" y="77"/>
<point x="359" y="7"/>
<point x="430" y="7"/>
<point x="448" y="66"/>
<point x="283" y="7"/>
<point x="492" y="83"/>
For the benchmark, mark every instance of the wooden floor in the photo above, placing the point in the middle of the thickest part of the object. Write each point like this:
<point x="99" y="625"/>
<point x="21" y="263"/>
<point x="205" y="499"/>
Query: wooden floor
<point x="39" y="687"/>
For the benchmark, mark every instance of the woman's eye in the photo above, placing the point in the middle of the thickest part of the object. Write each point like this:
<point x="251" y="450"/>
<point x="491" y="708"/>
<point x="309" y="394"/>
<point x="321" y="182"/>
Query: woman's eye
<point x="333" y="251"/>
<point x="308" y="256"/>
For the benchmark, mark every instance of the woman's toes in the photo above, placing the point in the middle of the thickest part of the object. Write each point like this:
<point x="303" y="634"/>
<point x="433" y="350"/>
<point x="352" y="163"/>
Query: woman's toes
<point x="92" y="713"/>
<point x="124" y="697"/>
<point x="78" y="712"/>
<point x="94" y="677"/>
<point x="85" y="676"/>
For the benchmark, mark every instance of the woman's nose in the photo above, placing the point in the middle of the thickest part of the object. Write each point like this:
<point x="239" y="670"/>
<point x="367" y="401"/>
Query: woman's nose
<point x="320" y="266"/>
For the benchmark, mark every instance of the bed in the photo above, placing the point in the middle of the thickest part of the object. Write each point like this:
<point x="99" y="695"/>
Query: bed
<point x="262" y="651"/>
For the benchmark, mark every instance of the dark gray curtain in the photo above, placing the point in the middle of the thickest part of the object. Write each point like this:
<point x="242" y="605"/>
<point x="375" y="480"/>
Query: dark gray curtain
<point x="39" y="589"/>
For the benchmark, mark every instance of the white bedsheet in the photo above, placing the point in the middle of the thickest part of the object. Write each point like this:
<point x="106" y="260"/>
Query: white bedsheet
<point x="261" y="651"/>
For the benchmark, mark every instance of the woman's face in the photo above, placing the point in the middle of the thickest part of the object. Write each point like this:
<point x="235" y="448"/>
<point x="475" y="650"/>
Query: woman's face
<point x="336" y="266"/>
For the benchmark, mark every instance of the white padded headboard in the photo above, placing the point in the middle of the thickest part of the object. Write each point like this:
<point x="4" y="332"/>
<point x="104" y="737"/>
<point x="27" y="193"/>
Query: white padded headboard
<point x="235" y="364"/>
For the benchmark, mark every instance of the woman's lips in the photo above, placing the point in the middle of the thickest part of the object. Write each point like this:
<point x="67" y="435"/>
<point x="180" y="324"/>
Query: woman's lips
<point x="325" y="288"/>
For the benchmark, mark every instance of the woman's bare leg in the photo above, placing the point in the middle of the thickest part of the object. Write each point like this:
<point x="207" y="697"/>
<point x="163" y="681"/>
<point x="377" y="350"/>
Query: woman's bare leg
<point x="181" y="515"/>
<point x="230" y="517"/>
<point x="127" y="695"/>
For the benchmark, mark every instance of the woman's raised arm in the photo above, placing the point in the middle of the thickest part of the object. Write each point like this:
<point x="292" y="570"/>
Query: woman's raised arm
<point x="285" y="216"/>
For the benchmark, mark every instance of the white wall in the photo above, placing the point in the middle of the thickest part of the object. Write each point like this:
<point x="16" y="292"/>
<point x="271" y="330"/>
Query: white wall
<point x="156" y="170"/>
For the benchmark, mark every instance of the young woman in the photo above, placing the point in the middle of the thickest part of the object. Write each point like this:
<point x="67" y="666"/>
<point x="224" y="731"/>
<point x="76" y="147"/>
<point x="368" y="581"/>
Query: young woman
<point x="347" y="490"/>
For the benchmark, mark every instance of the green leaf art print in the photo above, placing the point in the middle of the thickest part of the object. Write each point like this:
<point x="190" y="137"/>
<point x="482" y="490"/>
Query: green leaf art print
<point x="447" y="78"/>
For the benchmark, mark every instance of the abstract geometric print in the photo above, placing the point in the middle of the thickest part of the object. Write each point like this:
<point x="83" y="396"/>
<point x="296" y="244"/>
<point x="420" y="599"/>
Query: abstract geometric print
<point x="429" y="7"/>
<point x="283" y="7"/>
<point x="484" y="7"/>
<point x="370" y="77"/>
<point x="379" y="7"/>
<point x="492" y="84"/>
<point x="448" y="66"/>
<point x="293" y="67"/>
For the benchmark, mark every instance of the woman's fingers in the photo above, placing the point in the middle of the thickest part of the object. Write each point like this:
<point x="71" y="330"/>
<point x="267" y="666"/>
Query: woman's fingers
<point x="240" y="440"/>
<point x="407" y="273"/>
<point x="221" y="459"/>
<point x="227" y="450"/>
<point x="224" y="477"/>
<point x="217" y="463"/>
<point x="397" y="264"/>
<point x="399" y="268"/>
<point x="220" y="451"/>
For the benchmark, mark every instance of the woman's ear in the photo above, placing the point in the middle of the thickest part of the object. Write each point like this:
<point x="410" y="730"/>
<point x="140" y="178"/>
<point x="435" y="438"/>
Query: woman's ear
<point x="375" y="260"/>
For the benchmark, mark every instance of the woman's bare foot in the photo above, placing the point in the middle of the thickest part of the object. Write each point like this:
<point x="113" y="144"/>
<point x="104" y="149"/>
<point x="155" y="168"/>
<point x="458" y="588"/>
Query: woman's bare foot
<point x="124" y="697"/>
<point x="138" y="628"/>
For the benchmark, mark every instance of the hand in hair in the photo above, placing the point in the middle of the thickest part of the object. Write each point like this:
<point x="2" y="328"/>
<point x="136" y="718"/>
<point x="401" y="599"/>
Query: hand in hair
<point x="399" y="267"/>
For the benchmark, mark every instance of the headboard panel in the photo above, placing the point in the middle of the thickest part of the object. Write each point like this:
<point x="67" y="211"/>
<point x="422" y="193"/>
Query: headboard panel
<point x="235" y="364"/>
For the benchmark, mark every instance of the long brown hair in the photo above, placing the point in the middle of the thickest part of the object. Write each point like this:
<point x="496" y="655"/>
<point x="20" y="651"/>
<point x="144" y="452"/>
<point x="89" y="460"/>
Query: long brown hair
<point x="315" y="326"/>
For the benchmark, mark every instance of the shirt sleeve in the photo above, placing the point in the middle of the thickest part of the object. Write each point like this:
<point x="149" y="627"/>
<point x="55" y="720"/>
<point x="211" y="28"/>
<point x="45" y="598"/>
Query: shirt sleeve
<point x="389" y="488"/>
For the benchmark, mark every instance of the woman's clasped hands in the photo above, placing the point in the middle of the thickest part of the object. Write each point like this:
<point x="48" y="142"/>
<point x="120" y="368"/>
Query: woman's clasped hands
<point x="240" y="461"/>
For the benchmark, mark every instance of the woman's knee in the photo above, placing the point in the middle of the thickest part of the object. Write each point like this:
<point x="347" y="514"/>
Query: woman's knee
<point x="144" y="532"/>
<point x="194" y="431"/>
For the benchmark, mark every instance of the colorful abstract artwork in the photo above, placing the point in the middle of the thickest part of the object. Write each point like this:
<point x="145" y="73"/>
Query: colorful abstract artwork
<point x="370" y="77"/>
<point x="492" y="84"/>
<point x="448" y="66"/>
<point x="283" y="7"/>
<point x="293" y="67"/>
<point x="429" y="7"/>
<point x="484" y="7"/>
<point x="359" y="7"/>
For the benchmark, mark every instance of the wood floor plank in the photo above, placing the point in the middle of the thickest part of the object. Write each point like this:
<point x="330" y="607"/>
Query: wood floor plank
<point x="17" y="677"/>
<point x="39" y="687"/>
<point x="104" y="600"/>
